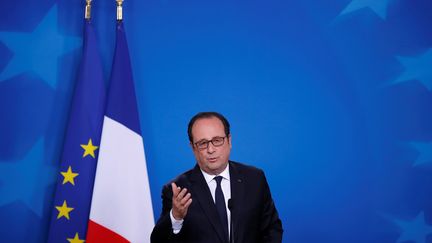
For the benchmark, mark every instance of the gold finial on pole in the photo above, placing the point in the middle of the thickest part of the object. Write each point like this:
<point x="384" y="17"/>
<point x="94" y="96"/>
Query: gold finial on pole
<point x="88" y="9"/>
<point x="119" y="9"/>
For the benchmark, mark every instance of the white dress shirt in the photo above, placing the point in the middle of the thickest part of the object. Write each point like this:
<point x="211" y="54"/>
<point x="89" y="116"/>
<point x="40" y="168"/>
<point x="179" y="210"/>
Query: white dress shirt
<point x="211" y="183"/>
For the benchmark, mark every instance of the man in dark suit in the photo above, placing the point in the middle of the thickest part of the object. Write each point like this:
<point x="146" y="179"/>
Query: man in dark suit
<point x="218" y="201"/>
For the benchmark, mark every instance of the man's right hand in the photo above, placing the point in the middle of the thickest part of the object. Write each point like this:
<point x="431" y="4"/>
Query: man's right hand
<point x="181" y="201"/>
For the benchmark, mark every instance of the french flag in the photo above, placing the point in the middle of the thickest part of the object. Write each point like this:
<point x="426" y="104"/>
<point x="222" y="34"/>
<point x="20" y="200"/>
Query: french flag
<point x="121" y="207"/>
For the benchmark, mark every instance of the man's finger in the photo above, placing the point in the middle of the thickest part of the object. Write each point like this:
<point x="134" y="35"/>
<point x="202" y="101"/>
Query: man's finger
<point x="175" y="189"/>
<point x="185" y="199"/>
<point x="188" y="203"/>
<point x="182" y="193"/>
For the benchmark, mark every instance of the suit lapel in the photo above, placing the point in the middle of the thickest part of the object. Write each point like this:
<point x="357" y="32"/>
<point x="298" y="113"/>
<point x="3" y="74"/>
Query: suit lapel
<point x="237" y="190"/>
<point x="201" y="192"/>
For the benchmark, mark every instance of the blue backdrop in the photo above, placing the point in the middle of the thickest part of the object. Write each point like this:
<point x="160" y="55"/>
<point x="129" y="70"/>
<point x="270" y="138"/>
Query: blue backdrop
<point x="331" y="98"/>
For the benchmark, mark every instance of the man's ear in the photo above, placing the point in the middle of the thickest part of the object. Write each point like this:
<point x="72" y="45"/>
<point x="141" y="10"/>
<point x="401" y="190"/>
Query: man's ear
<point x="229" y="140"/>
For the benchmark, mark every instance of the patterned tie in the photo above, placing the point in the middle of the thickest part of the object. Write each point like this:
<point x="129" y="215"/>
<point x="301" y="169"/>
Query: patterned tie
<point x="220" y="205"/>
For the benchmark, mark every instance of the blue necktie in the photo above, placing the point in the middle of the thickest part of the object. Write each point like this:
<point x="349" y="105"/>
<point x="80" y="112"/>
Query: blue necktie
<point x="220" y="205"/>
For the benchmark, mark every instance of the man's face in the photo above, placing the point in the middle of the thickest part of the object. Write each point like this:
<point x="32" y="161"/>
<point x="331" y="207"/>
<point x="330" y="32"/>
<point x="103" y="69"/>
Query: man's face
<point x="212" y="159"/>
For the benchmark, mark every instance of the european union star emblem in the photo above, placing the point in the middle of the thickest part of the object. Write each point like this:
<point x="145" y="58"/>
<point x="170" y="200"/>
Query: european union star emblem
<point x="30" y="52"/>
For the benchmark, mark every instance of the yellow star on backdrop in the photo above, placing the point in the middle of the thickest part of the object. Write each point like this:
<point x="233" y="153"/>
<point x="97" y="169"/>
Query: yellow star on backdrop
<point x="89" y="149"/>
<point x="76" y="239"/>
<point x="63" y="210"/>
<point x="69" y="176"/>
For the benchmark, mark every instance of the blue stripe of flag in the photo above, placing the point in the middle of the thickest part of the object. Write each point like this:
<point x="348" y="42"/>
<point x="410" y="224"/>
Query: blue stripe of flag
<point x="121" y="105"/>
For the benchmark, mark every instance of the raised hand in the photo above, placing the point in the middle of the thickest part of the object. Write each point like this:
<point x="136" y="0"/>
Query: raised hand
<point x="181" y="201"/>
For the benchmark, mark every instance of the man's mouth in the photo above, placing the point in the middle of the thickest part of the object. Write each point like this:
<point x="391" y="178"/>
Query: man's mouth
<point x="212" y="160"/>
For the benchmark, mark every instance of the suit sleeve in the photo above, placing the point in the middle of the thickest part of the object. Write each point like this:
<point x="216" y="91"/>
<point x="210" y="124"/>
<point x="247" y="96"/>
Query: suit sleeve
<point x="162" y="232"/>
<point x="271" y="225"/>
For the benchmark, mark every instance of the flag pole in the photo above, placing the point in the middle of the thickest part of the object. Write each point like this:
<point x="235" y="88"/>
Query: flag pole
<point x="119" y="10"/>
<point x="88" y="10"/>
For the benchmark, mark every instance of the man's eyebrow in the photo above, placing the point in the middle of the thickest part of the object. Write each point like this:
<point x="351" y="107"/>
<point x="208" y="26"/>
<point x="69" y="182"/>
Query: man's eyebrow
<point x="208" y="139"/>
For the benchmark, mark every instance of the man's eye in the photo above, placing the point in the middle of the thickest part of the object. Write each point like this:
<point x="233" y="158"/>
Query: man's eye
<point x="203" y="143"/>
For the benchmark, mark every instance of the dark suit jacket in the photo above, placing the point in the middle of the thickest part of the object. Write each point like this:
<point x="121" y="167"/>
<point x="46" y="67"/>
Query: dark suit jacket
<point x="254" y="216"/>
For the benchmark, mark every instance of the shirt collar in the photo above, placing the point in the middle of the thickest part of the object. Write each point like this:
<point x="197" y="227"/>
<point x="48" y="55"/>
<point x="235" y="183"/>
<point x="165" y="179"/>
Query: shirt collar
<point x="225" y="174"/>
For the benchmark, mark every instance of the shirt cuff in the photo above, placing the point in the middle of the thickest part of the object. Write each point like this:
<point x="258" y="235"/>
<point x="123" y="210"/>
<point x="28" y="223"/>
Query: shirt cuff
<point x="176" y="224"/>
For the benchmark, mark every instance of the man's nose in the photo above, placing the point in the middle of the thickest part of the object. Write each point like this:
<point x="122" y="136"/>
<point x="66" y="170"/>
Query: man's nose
<point x="210" y="149"/>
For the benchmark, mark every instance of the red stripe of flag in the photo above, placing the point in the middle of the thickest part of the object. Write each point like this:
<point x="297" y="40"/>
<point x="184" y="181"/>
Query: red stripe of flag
<point x="98" y="234"/>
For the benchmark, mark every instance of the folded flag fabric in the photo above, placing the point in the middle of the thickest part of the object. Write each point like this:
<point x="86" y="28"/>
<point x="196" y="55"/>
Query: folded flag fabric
<point x="71" y="207"/>
<point x="121" y="209"/>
